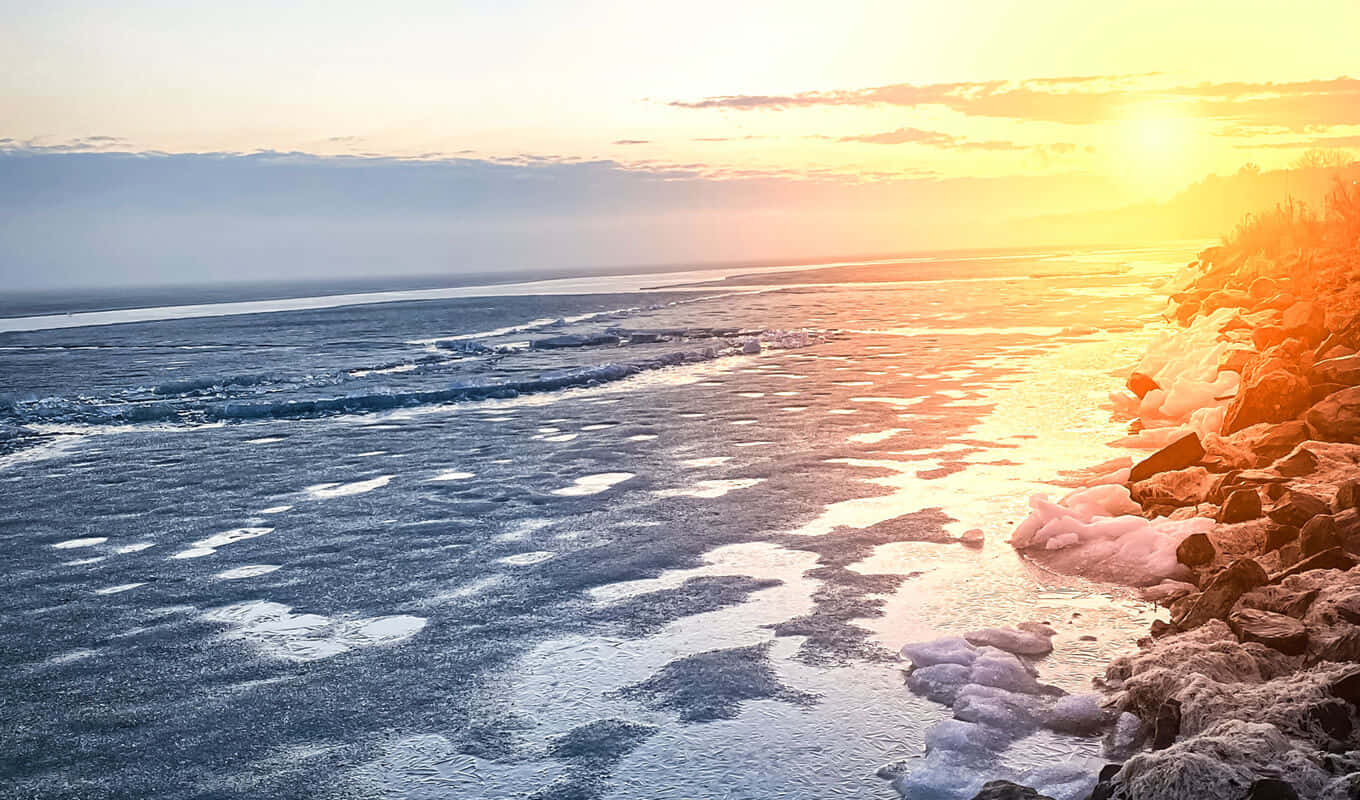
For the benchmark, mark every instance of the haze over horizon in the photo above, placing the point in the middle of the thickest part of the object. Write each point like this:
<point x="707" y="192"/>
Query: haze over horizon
<point x="174" y="143"/>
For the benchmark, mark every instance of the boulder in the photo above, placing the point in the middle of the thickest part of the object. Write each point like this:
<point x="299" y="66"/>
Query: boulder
<point x="1276" y="631"/>
<point x="1104" y="789"/>
<point x="1306" y="321"/>
<point x="1263" y="288"/>
<point x="1240" y="506"/>
<point x="1267" y="336"/>
<point x="1168" y="724"/>
<point x="1224" y="298"/>
<point x="1344" y="369"/>
<point x="1347" y="687"/>
<point x="1141" y="384"/>
<point x="1318" y="534"/>
<point x="1005" y="790"/>
<point x="1184" y="452"/>
<point x="1160" y="628"/>
<point x="1297" y="464"/>
<point x="1195" y="550"/>
<point x="1335" y="558"/>
<point x="1278" y="536"/>
<point x="1273" y="397"/>
<point x="1296" y="508"/>
<point x="1340" y="647"/>
<point x="1222" y="593"/>
<point x="1336" y="417"/>
<point x="1269" y="441"/>
<point x="1279" y="600"/>
<point x="1271" y="789"/>
<point x="1347" y="496"/>
<point x="1333" y="717"/>
<point x="1348" y="608"/>
<point x="1175" y="488"/>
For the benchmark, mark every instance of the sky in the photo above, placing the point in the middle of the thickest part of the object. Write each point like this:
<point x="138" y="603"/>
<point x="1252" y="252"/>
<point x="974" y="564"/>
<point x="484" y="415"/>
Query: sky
<point x="724" y="130"/>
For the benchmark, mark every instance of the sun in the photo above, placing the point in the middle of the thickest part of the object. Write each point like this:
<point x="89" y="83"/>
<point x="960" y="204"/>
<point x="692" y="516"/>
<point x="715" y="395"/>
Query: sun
<point x="1154" y="147"/>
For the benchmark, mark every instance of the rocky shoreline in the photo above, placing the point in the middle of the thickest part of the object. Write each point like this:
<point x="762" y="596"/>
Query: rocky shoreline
<point x="1244" y="523"/>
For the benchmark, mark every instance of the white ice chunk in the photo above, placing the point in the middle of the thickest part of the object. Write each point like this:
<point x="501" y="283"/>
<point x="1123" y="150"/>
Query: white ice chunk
<point x="949" y="650"/>
<point x="1080" y="714"/>
<point x="593" y="484"/>
<point x="1032" y="640"/>
<point x="324" y="491"/>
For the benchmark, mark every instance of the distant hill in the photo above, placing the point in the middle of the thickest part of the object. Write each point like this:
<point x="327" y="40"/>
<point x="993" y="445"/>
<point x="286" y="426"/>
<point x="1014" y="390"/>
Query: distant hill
<point x="1203" y="210"/>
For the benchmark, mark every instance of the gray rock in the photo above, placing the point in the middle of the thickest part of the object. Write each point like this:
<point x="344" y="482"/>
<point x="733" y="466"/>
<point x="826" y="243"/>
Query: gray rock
<point x="1275" y="631"/>
<point x="1005" y="790"/>
<point x="1175" y="488"/>
<point x="1347" y="496"/>
<point x="1278" y="599"/>
<point x="1335" y="558"/>
<point x="1274" y="397"/>
<point x="1297" y="464"/>
<point x="1222" y="593"/>
<point x="1296" y="508"/>
<point x="1141" y="384"/>
<point x="1184" y="452"/>
<point x="1195" y="550"/>
<point x="1336" y="417"/>
<point x="1347" y="687"/>
<point x="1240" y="506"/>
<point x="1306" y="321"/>
<point x="1168" y="724"/>
<point x="1349" y="609"/>
<point x="1345" y="369"/>
<point x="1271" y="789"/>
<point x="1318" y="534"/>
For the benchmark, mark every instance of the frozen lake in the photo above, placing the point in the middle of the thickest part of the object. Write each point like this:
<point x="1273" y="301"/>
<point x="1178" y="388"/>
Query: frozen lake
<point x="393" y="550"/>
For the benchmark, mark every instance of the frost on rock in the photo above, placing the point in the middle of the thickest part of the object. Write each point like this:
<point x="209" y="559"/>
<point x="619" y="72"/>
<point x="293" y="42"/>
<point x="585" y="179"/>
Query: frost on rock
<point x="996" y="699"/>
<point x="1097" y="531"/>
<point x="1223" y="762"/>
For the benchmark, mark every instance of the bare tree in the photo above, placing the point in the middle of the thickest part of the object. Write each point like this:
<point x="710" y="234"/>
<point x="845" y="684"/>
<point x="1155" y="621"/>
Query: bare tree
<point x="1322" y="158"/>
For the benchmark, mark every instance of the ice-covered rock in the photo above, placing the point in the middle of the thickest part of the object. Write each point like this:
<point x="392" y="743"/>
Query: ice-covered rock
<point x="1032" y="639"/>
<point x="1224" y="761"/>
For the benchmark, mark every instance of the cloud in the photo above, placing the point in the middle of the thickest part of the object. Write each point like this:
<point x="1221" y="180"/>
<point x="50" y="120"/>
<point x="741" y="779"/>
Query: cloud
<point x="948" y="141"/>
<point x="1327" y="142"/>
<point x="905" y="136"/>
<point x="632" y="141"/>
<point x="1081" y="100"/>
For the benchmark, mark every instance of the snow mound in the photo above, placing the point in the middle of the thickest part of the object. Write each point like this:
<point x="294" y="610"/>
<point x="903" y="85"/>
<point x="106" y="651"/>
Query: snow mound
<point x="996" y="699"/>
<point x="1100" y="534"/>
<point x="1193" y="393"/>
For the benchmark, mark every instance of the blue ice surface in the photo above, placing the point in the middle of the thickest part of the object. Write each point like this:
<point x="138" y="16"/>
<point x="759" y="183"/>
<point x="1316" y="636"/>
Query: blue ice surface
<point x="284" y="663"/>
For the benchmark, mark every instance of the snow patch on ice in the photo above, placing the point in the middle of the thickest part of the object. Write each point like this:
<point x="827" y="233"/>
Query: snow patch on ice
<point x="710" y="489"/>
<point x="451" y="475"/>
<point x="525" y="559"/>
<point x="208" y="546"/>
<point x="593" y="484"/>
<point x="276" y="631"/>
<point x="120" y="588"/>
<point x="89" y="541"/>
<point x="249" y="571"/>
<point x="325" y="491"/>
